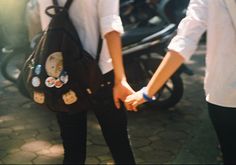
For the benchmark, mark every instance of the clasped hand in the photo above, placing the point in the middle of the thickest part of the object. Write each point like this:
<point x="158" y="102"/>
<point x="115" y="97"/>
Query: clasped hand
<point x="123" y="92"/>
<point x="134" y="100"/>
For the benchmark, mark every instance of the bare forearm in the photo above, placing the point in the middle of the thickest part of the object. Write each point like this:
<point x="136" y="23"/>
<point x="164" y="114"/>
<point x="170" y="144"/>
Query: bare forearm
<point x="115" y="50"/>
<point x="168" y="66"/>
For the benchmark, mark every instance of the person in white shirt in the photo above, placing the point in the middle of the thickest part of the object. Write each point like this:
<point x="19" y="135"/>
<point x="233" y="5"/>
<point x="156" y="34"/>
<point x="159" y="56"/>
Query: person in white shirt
<point x="220" y="78"/>
<point x="94" y="18"/>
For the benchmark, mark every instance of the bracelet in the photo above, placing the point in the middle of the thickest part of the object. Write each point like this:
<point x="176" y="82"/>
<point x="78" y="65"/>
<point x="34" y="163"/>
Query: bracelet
<point x="145" y="96"/>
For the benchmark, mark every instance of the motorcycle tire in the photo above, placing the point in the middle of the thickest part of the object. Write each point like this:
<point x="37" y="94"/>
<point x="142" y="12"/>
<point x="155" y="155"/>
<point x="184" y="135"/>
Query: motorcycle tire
<point x="175" y="96"/>
<point x="139" y="75"/>
<point x="11" y="65"/>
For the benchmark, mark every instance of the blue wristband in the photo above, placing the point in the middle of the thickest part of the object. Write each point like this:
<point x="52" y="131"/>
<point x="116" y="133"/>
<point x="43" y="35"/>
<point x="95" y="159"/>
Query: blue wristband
<point x="146" y="97"/>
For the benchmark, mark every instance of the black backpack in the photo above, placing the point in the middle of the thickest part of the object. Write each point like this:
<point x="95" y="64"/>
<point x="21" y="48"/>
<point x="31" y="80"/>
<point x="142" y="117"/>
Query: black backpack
<point x="60" y="73"/>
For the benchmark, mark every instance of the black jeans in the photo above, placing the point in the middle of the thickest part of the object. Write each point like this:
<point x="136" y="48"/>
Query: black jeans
<point x="113" y="123"/>
<point x="224" y="121"/>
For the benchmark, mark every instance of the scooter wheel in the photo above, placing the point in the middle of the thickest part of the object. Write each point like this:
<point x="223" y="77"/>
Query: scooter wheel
<point x="139" y="73"/>
<point x="11" y="65"/>
<point x="169" y="95"/>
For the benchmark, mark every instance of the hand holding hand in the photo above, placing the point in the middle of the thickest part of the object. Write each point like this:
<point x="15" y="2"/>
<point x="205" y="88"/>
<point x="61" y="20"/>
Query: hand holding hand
<point x="132" y="101"/>
<point x="120" y="91"/>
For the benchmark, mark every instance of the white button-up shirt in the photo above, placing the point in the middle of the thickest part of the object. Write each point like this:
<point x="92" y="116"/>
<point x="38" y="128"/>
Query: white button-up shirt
<point x="91" y="18"/>
<point x="213" y="16"/>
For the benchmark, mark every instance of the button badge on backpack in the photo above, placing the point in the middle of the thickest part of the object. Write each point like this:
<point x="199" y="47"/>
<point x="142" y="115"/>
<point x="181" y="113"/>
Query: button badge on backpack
<point x="64" y="77"/>
<point x="35" y="81"/>
<point x="38" y="69"/>
<point x="38" y="97"/>
<point x="69" y="97"/>
<point x="58" y="83"/>
<point x="54" y="64"/>
<point x="50" y="82"/>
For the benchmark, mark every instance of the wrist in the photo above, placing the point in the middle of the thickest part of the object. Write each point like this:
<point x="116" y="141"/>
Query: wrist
<point x="119" y="80"/>
<point x="145" y="95"/>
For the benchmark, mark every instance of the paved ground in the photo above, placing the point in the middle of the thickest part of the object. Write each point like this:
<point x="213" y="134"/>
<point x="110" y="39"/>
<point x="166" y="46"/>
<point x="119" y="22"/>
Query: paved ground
<point x="182" y="135"/>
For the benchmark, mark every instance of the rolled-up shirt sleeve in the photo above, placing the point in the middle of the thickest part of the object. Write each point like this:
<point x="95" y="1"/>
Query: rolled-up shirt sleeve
<point x="190" y="29"/>
<point x="110" y="20"/>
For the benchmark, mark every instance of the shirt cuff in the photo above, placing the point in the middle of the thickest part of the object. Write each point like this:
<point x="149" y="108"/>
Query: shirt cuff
<point x="183" y="46"/>
<point x="111" y="23"/>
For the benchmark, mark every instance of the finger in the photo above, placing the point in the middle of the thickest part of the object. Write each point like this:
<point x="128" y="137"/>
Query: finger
<point x="131" y="108"/>
<point x="129" y="99"/>
<point x="128" y="106"/>
<point x="134" y="109"/>
<point x="134" y="105"/>
<point x="117" y="102"/>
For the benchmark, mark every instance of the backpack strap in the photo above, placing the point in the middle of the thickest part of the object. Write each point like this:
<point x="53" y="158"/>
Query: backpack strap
<point x="57" y="7"/>
<point x="67" y="7"/>
<point x="99" y="48"/>
<point x="55" y="3"/>
<point x="68" y="4"/>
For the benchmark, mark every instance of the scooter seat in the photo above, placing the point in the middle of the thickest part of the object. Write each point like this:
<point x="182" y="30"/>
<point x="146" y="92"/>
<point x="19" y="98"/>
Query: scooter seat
<point x="135" y="35"/>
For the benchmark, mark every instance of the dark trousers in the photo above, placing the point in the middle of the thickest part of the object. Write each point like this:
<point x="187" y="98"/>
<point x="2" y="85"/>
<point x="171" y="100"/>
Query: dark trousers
<point x="113" y="123"/>
<point x="224" y="121"/>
